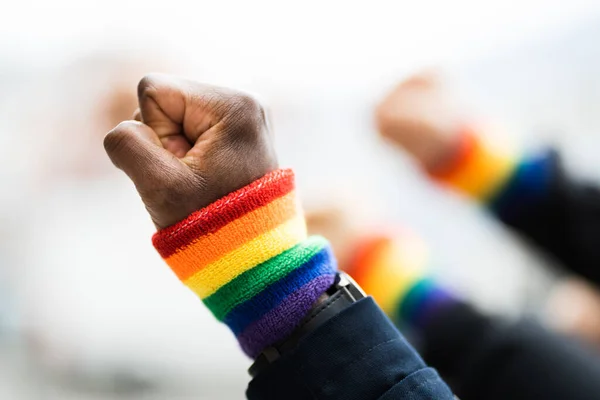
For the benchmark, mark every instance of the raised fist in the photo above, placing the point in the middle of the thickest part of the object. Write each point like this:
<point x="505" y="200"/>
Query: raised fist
<point x="191" y="145"/>
<point x="419" y="116"/>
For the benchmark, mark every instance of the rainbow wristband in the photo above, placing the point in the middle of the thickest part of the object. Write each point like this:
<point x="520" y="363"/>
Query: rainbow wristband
<point x="247" y="256"/>
<point x="476" y="169"/>
<point x="391" y="267"/>
<point x="508" y="186"/>
<point x="386" y="266"/>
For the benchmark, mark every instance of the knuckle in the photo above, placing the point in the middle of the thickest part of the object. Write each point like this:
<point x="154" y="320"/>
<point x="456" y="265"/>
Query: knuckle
<point x="113" y="141"/>
<point x="246" y="104"/>
<point x="383" y="115"/>
<point x="246" y="113"/>
<point x="118" y="138"/>
<point x="147" y="85"/>
<point x="381" y="111"/>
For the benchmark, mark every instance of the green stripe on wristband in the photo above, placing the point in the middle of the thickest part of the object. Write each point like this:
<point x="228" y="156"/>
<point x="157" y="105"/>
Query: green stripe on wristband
<point x="254" y="281"/>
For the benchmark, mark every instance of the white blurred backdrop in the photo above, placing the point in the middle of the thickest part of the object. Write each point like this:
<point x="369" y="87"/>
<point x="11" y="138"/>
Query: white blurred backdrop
<point x="89" y="311"/>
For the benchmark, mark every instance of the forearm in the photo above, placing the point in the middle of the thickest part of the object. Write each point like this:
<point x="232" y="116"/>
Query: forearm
<point x="534" y="196"/>
<point x="481" y="357"/>
<point x="484" y="357"/>
<point x="356" y="355"/>
<point x="249" y="259"/>
<point x="509" y="184"/>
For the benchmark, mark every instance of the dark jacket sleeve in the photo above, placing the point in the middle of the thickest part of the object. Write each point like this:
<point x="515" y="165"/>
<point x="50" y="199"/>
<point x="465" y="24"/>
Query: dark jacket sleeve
<point x="555" y="211"/>
<point x="358" y="354"/>
<point x="485" y="358"/>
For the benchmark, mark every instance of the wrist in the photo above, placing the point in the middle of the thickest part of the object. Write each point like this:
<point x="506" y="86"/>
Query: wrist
<point x="474" y="167"/>
<point x="392" y="267"/>
<point x="247" y="256"/>
<point x="340" y="295"/>
<point x="386" y="264"/>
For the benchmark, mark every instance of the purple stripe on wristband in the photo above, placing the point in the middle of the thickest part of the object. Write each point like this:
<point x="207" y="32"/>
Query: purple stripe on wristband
<point x="436" y="299"/>
<point x="283" y="319"/>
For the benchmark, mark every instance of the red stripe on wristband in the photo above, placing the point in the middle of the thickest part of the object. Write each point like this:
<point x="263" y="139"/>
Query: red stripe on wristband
<point x="223" y="211"/>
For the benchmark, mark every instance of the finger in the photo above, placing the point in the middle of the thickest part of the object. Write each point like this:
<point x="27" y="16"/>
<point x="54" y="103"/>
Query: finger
<point x="135" y="149"/>
<point x="177" y="108"/>
<point x="162" y="100"/>
<point x="137" y="115"/>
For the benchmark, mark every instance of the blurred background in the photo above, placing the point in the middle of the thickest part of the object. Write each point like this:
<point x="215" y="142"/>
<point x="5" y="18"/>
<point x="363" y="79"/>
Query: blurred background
<point x="87" y="308"/>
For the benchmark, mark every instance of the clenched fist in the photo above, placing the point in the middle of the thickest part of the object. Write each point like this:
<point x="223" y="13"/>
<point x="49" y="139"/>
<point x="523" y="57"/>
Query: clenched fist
<point x="191" y="145"/>
<point x="419" y="116"/>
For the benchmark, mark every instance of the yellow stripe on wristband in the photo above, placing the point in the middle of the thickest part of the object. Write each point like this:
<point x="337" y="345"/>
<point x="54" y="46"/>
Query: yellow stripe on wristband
<point x="208" y="280"/>
<point x="211" y="247"/>
<point x="479" y="170"/>
<point x="391" y="269"/>
<point x="484" y="174"/>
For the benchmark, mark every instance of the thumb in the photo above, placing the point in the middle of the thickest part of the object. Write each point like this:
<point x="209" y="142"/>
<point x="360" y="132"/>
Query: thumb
<point x="135" y="149"/>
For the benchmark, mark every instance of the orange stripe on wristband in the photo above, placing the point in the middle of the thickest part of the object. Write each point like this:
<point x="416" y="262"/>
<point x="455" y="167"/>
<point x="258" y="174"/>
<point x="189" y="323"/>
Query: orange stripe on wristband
<point x="386" y="267"/>
<point x="262" y="248"/>
<point x="477" y="170"/>
<point x="215" y="216"/>
<point x="211" y="247"/>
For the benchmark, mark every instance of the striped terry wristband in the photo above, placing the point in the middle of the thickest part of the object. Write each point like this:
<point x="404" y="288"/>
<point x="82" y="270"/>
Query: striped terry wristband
<point x="476" y="168"/>
<point x="247" y="256"/>
<point x="393" y="269"/>
<point x="507" y="184"/>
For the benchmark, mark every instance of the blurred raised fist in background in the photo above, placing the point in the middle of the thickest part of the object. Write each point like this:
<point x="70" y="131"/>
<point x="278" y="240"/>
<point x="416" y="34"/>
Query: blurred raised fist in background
<point x="420" y="116"/>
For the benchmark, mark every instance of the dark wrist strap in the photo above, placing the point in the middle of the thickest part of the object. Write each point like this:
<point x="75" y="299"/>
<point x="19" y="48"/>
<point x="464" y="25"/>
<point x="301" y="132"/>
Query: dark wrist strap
<point x="342" y="294"/>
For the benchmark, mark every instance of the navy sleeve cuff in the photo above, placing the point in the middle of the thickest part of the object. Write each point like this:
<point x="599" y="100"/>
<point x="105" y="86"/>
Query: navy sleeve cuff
<point x="358" y="354"/>
<point x="529" y="185"/>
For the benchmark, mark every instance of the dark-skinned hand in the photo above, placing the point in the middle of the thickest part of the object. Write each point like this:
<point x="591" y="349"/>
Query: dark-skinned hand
<point x="190" y="145"/>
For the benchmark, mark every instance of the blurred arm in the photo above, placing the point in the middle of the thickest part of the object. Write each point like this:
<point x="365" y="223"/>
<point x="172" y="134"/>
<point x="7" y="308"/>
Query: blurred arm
<point x="481" y="357"/>
<point x="536" y="197"/>
<point x="485" y="358"/>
